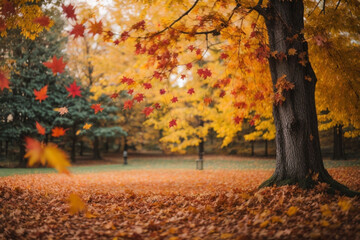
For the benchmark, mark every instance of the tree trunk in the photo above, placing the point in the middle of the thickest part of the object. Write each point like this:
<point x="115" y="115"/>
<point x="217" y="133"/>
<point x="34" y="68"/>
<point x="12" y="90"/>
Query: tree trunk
<point x="73" y="147"/>
<point x="106" y="147"/>
<point x="96" y="150"/>
<point x="22" y="160"/>
<point x="6" y="149"/>
<point x="266" y="148"/>
<point x="298" y="154"/>
<point x="125" y="153"/>
<point x="252" y="148"/>
<point x="339" y="152"/>
<point x="81" y="148"/>
<point x="1" y="147"/>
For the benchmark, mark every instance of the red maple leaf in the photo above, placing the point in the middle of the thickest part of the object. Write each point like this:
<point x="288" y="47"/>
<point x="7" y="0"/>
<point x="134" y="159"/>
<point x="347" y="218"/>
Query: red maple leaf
<point x="97" y="108"/>
<point x="222" y="93"/>
<point x="69" y="11"/>
<point x="4" y="82"/>
<point x="238" y="119"/>
<point x="41" y="94"/>
<point x="124" y="36"/>
<point x="147" y="85"/>
<point x="73" y="90"/>
<point x="114" y="95"/>
<point x="43" y="21"/>
<point x="96" y="27"/>
<point x="188" y="66"/>
<point x="207" y="100"/>
<point x="191" y="48"/>
<point x="183" y="76"/>
<point x="128" y="104"/>
<point x="148" y="110"/>
<point x="116" y="42"/>
<point x="224" y="56"/>
<point x="127" y="80"/>
<point x="204" y="72"/>
<point x="57" y="65"/>
<point x="130" y="91"/>
<point x="172" y="123"/>
<point x="157" y="106"/>
<point x="198" y="51"/>
<point x="139" y="25"/>
<point x="41" y="130"/>
<point x="225" y="81"/>
<point x="162" y="91"/>
<point x="158" y="75"/>
<point x="191" y="91"/>
<point x="78" y="30"/>
<point x="139" y="97"/>
<point x="174" y="99"/>
<point x="7" y="8"/>
<point x="58" y="131"/>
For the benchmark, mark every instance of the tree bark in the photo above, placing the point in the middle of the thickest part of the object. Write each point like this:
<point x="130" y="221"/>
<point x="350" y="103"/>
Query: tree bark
<point x="339" y="149"/>
<point x="252" y="148"/>
<point x="22" y="160"/>
<point x="298" y="154"/>
<point x="81" y="148"/>
<point x="96" y="150"/>
<point x="73" y="147"/>
<point x="266" y="148"/>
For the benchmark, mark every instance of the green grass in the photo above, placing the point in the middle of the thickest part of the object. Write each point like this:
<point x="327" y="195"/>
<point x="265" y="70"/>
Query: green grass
<point x="171" y="164"/>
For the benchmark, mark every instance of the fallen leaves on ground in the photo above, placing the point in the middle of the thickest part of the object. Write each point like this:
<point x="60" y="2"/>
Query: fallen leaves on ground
<point x="174" y="204"/>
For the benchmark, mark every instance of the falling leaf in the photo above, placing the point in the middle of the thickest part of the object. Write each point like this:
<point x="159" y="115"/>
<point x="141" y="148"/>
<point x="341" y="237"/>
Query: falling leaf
<point x="69" y="11"/>
<point x="291" y="51"/>
<point x="62" y="110"/>
<point x="58" y="132"/>
<point x="76" y="204"/>
<point x="41" y="130"/>
<point x="78" y="30"/>
<point x="4" y="82"/>
<point x="57" y="65"/>
<point x="73" y="90"/>
<point x="87" y="126"/>
<point x="41" y="94"/>
<point x="96" y="28"/>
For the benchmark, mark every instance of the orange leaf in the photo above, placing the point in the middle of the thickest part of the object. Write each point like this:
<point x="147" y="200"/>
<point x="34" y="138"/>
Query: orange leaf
<point x="76" y="204"/>
<point x="4" y="82"/>
<point x="41" y="94"/>
<point x="96" y="27"/>
<point x="41" y="129"/>
<point x="58" y="132"/>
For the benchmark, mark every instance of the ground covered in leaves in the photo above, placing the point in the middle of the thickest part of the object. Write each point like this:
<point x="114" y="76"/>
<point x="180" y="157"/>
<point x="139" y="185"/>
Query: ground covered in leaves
<point x="175" y="204"/>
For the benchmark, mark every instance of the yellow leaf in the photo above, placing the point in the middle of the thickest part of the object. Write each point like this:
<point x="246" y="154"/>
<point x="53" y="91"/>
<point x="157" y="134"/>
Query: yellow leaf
<point x="87" y="126"/>
<point x="264" y="224"/>
<point x="292" y="210"/>
<point x="226" y="235"/>
<point x="89" y="215"/>
<point x="345" y="205"/>
<point x="56" y="158"/>
<point x="276" y="219"/>
<point x="78" y="132"/>
<point x="76" y="204"/>
<point x="325" y="210"/>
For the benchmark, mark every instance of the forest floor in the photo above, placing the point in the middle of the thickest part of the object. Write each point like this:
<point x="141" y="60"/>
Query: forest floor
<point x="149" y="200"/>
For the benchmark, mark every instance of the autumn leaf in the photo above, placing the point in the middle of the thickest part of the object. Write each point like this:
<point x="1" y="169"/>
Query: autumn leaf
<point x="76" y="204"/>
<point x="292" y="211"/>
<point x="41" y="94"/>
<point x="57" y="65"/>
<point x="87" y="126"/>
<point x="291" y="51"/>
<point x="162" y="91"/>
<point x="69" y="11"/>
<point x="191" y="91"/>
<point x="58" y="131"/>
<point x="4" y="82"/>
<point x="172" y="123"/>
<point x="97" y="108"/>
<point x="344" y="205"/>
<point x="147" y="85"/>
<point x="96" y="27"/>
<point x="204" y="73"/>
<point x="207" y="100"/>
<point x="78" y="30"/>
<point x="224" y="56"/>
<point x="325" y="210"/>
<point x="139" y="97"/>
<point x="174" y="100"/>
<point x="62" y="110"/>
<point x="38" y="152"/>
<point x="128" y="104"/>
<point x="41" y="130"/>
<point x="148" y="110"/>
<point x="73" y="90"/>
<point x="114" y="95"/>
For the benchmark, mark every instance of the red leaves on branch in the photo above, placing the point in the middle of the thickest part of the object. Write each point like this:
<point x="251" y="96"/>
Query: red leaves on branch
<point x="130" y="91"/>
<point x="97" y="108"/>
<point x="4" y="82"/>
<point x="139" y="97"/>
<point x="147" y="85"/>
<point x="124" y="35"/>
<point x="207" y="100"/>
<point x="162" y="91"/>
<point x="128" y="81"/>
<point x="191" y="48"/>
<point x="240" y="105"/>
<point x="69" y="11"/>
<point x="41" y="94"/>
<point x="224" y="56"/>
<point x="158" y="75"/>
<point x="174" y="100"/>
<point x="157" y="106"/>
<point x="238" y="119"/>
<point x="148" y="110"/>
<point x="78" y="30"/>
<point x="114" y="95"/>
<point x="41" y="130"/>
<point x="43" y="21"/>
<point x="128" y="104"/>
<point x="191" y="91"/>
<point x="189" y="66"/>
<point x="57" y="65"/>
<point x="172" y="123"/>
<point x="73" y="90"/>
<point x="96" y="27"/>
<point x="58" y="131"/>
<point x="204" y="72"/>
<point x="222" y="93"/>
<point x="139" y="26"/>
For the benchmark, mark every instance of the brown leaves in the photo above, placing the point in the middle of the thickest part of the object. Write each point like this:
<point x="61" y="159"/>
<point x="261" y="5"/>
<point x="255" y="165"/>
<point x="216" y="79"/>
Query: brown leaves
<point x="173" y="204"/>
